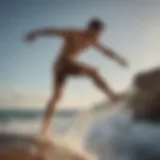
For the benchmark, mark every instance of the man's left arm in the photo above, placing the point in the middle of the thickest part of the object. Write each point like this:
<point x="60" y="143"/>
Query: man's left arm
<point x="107" y="51"/>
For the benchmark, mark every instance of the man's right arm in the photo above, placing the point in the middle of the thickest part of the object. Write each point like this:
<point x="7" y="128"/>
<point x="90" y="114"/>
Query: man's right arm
<point x="47" y="32"/>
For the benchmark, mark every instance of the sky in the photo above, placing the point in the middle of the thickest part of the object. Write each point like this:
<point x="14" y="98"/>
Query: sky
<point x="25" y="69"/>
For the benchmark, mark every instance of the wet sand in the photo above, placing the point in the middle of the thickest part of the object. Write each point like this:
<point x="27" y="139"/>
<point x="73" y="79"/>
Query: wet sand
<point x="17" y="147"/>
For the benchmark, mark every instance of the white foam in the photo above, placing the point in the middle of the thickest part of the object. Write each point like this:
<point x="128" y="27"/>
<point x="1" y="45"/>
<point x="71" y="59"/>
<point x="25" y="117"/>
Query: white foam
<point x="117" y="136"/>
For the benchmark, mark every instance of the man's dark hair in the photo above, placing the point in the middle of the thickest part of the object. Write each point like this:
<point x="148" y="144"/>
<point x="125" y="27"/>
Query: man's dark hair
<point x="96" y="24"/>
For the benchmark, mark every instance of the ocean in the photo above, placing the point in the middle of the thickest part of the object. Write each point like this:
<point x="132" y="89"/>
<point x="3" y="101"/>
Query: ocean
<point x="24" y="121"/>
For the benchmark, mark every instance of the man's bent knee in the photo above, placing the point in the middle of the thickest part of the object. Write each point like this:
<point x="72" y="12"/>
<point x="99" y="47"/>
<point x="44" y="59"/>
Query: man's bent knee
<point x="93" y="73"/>
<point x="89" y="71"/>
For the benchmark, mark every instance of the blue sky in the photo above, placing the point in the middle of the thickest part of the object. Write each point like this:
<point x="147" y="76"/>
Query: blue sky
<point x="25" y="79"/>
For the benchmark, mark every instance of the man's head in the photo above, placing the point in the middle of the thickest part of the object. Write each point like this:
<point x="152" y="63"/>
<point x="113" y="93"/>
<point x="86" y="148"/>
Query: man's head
<point x="96" y="26"/>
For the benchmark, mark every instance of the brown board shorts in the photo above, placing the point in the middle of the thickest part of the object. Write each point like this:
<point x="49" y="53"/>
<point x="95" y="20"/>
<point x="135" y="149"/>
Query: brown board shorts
<point x="65" y="68"/>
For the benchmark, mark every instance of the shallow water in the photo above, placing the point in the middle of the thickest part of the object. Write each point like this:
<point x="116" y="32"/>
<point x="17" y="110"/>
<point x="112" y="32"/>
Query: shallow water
<point x="108" y="133"/>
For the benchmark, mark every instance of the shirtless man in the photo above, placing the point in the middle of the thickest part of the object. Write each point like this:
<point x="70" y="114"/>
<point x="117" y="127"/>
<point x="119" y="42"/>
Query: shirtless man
<point x="75" y="42"/>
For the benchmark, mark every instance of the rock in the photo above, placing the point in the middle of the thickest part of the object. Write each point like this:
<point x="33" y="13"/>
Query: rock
<point x="146" y="100"/>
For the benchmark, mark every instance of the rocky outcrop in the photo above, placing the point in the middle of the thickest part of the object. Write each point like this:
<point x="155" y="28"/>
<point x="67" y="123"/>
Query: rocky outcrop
<point x="146" y="100"/>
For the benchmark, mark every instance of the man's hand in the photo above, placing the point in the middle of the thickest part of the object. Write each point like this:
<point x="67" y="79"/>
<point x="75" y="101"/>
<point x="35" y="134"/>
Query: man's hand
<point x="123" y="62"/>
<point x="31" y="37"/>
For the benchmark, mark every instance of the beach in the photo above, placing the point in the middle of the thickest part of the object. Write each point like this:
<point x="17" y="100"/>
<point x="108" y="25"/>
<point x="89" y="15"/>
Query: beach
<point x="20" y="139"/>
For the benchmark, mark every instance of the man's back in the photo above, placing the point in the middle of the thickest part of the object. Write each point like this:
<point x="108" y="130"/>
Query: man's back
<point x="75" y="42"/>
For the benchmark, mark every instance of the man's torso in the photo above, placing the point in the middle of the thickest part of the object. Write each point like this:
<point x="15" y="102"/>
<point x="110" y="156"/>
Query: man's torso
<point x="74" y="45"/>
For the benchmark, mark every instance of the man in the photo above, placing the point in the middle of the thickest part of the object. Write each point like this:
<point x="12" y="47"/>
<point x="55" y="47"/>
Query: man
<point x="75" y="42"/>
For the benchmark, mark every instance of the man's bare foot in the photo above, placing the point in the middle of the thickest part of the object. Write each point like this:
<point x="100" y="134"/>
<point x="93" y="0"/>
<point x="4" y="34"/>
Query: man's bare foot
<point x="116" y="98"/>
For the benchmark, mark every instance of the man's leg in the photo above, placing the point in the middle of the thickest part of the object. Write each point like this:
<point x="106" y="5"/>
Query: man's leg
<point x="86" y="70"/>
<point x="55" y="97"/>
<point x="101" y="84"/>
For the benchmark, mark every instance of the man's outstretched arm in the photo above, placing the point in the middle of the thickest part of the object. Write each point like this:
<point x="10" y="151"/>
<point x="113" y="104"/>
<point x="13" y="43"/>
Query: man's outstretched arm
<point x="46" y="32"/>
<point x="110" y="53"/>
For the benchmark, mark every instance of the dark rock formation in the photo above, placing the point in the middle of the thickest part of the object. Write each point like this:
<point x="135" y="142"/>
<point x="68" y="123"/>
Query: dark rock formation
<point x="146" y="100"/>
